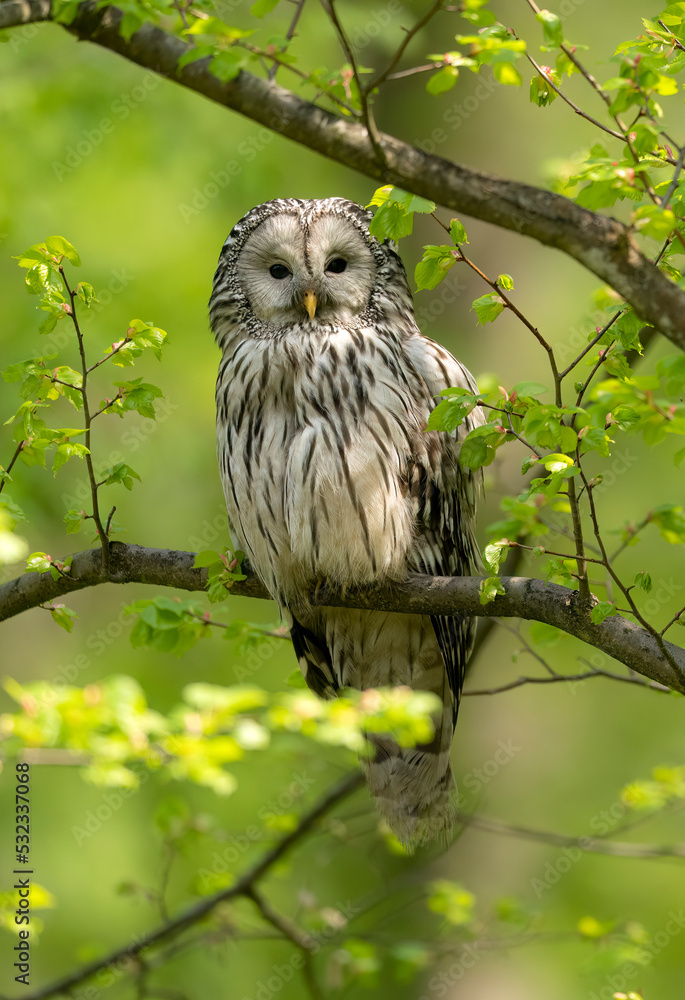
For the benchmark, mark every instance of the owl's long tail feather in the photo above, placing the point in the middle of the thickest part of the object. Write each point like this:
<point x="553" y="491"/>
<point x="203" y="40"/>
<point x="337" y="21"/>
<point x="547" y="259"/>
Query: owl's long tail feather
<point x="413" y="787"/>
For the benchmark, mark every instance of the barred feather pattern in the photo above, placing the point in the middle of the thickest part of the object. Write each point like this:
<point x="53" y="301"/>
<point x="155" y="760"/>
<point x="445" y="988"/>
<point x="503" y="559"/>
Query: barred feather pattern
<point x="330" y="476"/>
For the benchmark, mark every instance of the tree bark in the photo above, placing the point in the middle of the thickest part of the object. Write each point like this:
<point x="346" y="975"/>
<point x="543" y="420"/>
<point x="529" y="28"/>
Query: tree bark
<point x="603" y="245"/>
<point x="526" y="598"/>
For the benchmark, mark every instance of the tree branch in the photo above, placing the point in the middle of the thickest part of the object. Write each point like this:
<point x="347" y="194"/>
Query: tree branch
<point x="243" y="886"/>
<point x="594" y="845"/>
<point x="603" y="245"/>
<point x="525" y="598"/>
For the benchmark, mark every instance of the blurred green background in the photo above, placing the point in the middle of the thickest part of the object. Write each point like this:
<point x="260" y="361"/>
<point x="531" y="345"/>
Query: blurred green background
<point x="147" y="206"/>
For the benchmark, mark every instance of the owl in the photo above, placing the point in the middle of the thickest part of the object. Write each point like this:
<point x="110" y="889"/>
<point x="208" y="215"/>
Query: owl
<point x="323" y="394"/>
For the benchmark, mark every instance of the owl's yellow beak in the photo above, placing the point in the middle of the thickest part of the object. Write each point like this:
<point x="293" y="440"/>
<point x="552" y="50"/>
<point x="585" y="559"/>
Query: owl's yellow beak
<point x="309" y="301"/>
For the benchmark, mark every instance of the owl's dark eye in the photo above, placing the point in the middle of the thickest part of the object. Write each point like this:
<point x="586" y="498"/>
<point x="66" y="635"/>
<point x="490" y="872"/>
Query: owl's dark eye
<point x="337" y="265"/>
<point x="279" y="271"/>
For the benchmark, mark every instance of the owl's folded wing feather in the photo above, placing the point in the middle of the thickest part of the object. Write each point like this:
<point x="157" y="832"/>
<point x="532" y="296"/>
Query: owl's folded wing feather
<point x="445" y="495"/>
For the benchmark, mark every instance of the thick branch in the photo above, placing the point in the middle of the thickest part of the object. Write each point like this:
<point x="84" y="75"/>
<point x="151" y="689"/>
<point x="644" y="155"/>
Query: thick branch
<point x="603" y="245"/>
<point x="525" y="598"/>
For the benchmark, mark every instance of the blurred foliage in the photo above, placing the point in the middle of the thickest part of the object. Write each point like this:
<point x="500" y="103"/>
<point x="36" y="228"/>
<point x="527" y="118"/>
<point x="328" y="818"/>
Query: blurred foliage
<point x="103" y="163"/>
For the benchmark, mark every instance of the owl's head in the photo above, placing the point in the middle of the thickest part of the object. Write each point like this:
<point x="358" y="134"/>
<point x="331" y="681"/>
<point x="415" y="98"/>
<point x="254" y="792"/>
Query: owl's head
<point x="291" y="262"/>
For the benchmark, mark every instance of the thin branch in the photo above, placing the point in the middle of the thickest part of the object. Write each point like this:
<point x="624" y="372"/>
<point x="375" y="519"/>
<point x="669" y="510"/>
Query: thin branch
<point x="516" y="311"/>
<point x="83" y="389"/>
<point x="575" y="678"/>
<point x="188" y="918"/>
<point x="592" y="343"/>
<point x="290" y="34"/>
<point x="382" y="77"/>
<point x="303" y="941"/>
<point x="567" y="100"/>
<point x="527" y="647"/>
<point x="532" y="600"/>
<point x="15" y="456"/>
<point x="594" y="845"/>
<point x="367" y="111"/>
<point x="605" y="246"/>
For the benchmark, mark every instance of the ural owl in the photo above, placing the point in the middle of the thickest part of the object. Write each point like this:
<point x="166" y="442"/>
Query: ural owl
<point x="323" y="393"/>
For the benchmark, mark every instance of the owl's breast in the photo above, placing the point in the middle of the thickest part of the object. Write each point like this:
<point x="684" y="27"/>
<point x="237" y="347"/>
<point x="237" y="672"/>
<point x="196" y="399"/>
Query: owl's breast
<point x="314" y="454"/>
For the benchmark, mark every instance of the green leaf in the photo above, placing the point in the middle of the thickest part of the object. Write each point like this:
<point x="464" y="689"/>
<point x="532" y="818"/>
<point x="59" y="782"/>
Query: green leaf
<point x="506" y="73"/>
<point x="651" y="220"/>
<point x="601" y="611"/>
<point x="452" y="412"/>
<point x="63" y="616"/>
<point x="130" y="23"/>
<point x="552" y="27"/>
<point x="670" y="520"/>
<point x="443" y="80"/>
<point x="64" y="11"/>
<point x="506" y="282"/>
<point x="488" y="308"/>
<point x="457" y="232"/>
<point x="542" y="92"/>
<point x="452" y="901"/>
<point x="432" y="268"/>
<point x="38" y="562"/>
<point x="263" y="7"/>
<point x="490" y="588"/>
<point x="391" y="221"/>
<point x="394" y="218"/>
<point x="73" y="520"/>
<point x="215" y="26"/>
<point x="557" y="462"/>
<point x="206" y="558"/>
<point x="65" y="451"/>
<point x="60" y="247"/>
<point x="86" y="293"/>
<point x="120" y="473"/>
<point x="228" y="64"/>
<point x="643" y="580"/>
<point x="495" y="552"/>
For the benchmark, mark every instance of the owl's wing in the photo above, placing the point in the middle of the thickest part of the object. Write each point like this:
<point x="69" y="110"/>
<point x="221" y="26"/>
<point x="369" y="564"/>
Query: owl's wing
<point x="445" y="495"/>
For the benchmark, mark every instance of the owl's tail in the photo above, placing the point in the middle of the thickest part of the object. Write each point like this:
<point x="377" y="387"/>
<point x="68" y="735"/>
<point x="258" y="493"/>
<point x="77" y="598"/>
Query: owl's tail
<point x="414" y="788"/>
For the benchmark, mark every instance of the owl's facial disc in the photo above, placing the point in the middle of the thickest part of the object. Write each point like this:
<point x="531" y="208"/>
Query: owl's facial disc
<point x="297" y="273"/>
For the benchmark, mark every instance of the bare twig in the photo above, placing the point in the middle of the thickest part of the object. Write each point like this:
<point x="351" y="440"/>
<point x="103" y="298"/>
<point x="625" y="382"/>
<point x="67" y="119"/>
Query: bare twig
<point x="15" y="456"/>
<point x="290" y="34"/>
<point x="595" y="845"/>
<point x="422" y="22"/>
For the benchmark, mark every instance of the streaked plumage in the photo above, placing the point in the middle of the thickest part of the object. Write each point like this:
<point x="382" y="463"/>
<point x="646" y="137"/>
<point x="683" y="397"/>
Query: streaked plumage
<point x="330" y="475"/>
